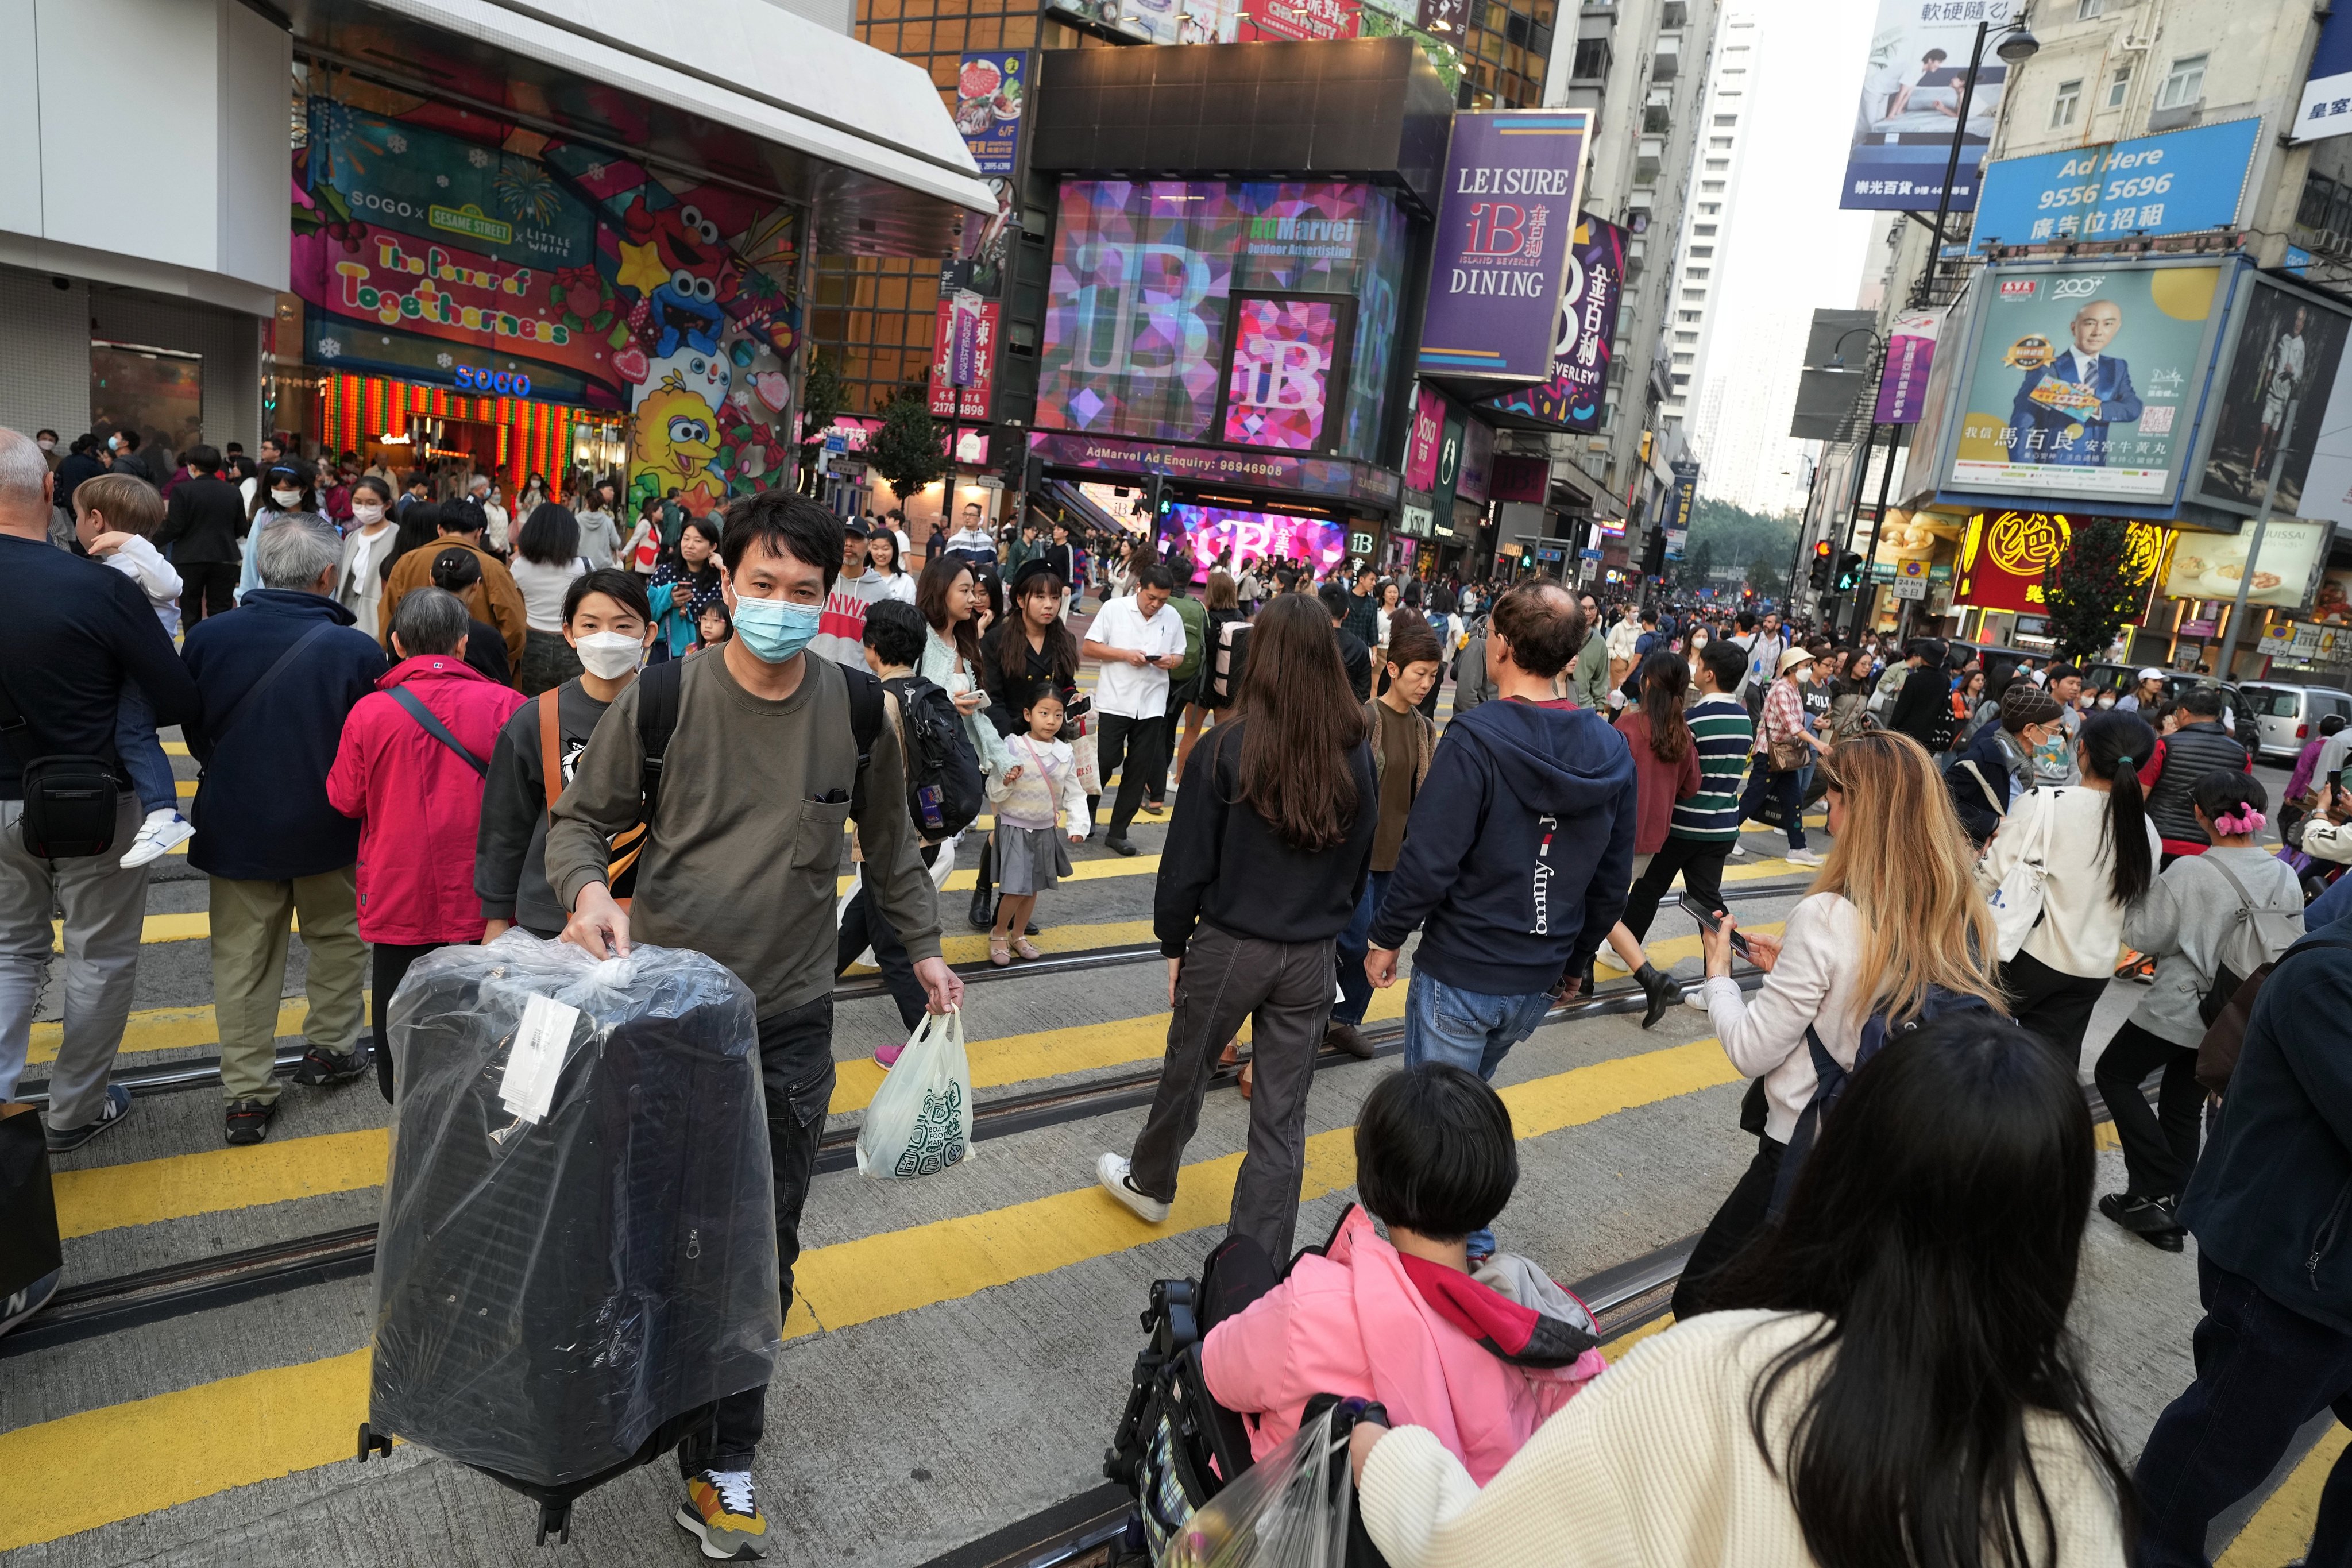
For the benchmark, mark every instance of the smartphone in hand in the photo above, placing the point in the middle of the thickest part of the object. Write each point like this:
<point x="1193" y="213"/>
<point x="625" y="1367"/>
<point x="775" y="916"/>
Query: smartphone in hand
<point x="1706" y="918"/>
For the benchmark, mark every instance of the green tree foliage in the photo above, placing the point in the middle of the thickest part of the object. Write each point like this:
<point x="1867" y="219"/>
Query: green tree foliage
<point x="1765" y="574"/>
<point x="1698" y="563"/>
<point x="906" y="450"/>
<point x="1734" y="533"/>
<point x="2092" y="589"/>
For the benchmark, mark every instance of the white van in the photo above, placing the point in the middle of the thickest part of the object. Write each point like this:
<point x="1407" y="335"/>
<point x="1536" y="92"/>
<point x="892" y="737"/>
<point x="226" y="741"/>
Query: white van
<point x="2289" y="716"/>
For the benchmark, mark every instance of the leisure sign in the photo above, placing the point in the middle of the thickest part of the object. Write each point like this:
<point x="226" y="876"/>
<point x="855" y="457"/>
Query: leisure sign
<point x="1512" y="178"/>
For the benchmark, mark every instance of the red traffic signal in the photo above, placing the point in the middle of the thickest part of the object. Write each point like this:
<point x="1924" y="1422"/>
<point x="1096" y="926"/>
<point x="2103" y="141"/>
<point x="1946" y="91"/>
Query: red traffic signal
<point x="1821" y="548"/>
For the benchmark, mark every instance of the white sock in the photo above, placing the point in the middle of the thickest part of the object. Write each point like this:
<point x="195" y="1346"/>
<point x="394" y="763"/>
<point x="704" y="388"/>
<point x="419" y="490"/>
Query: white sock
<point x="160" y="815"/>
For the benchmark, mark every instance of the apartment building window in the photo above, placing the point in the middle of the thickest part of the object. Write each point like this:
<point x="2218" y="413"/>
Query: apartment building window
<point x="2086" y="9"/>
<point x="1718" y="165"/>
<point x="1711" y="187"/>
<point x="1694" y="297"/>
<point x="1726" y="120"/>
<point x="1689" y="315"/>
<point x="2062" y="107"/>
<point x="1708" y="209"/>
<point x="1719" y="143"/>
<point x="2184" y="84"/>
<point x="1680" y="378"/>
<point x="2117" y="85"/>
<point x="1702" y="250"/>
<point x="1591" y="59"/>
<point x="1703" y="229"/>
<point x="1685" y="337"/>
<point x="1696" y="272"/>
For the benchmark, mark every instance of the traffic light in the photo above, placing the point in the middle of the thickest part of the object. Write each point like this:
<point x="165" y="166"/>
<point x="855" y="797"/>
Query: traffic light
<point x="1821" y="573"/>
<point x="1849" y="572"/>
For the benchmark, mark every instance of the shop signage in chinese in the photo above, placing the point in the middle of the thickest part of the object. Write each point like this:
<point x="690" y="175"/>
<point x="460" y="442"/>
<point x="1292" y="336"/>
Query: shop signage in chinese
<point x="1503" y="230"/>
<point x="1299" y="21"/>
<point x="1572" y="399"/>
<point x="2005" y="554"/>
<point x="1520" y="478"/>
<point x="964" y="356"/>
<point x="1428" y="430"/>
<point x="1903" y="382"/>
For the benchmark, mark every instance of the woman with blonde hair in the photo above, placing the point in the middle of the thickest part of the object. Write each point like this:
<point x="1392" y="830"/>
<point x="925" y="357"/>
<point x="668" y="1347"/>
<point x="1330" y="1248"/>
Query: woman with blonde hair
<point x="1893" y="913"/>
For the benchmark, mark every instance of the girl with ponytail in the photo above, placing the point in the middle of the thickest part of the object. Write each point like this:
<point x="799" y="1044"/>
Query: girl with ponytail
<point x="2099" y="852"/>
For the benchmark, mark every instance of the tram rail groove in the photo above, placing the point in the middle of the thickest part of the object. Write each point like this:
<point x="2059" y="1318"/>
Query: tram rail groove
<point x="149" y="1296"/>
<point x="203" y="1072"/>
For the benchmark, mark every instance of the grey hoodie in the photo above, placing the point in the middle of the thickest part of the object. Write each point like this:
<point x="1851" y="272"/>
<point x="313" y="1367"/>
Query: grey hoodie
<point x="2183" y="922"/>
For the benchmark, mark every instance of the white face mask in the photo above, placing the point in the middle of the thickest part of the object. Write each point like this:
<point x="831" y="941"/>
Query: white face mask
<point x="608" y="655"/>
<point x="285" y="499"/>
<point x="46" y="445"/>
<point x="367" y="513"/>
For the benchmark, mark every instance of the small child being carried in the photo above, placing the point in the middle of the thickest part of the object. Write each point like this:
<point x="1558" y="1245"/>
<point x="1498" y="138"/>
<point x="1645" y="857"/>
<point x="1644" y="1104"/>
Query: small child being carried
<point x="114" y="516"/>
<point x="1029" y="857"/>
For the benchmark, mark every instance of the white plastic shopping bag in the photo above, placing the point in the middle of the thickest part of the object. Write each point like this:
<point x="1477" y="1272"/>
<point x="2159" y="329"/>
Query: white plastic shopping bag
<point x="920" y="1120"/>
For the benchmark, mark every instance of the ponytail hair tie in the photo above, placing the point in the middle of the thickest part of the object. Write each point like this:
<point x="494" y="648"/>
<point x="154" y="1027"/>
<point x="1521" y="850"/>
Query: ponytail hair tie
<point x="2244" y="820"/>
<point x="2123" y="762"/>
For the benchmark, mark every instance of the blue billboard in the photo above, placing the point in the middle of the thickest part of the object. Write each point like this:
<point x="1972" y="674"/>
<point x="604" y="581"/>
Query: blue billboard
<point x="1914" y="87"/>
<point x="2176" y="182"/>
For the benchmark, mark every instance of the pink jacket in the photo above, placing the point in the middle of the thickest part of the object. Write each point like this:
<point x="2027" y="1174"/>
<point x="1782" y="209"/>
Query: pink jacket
<point x="1316" y="1332"/>
<point x="418" y="804"/>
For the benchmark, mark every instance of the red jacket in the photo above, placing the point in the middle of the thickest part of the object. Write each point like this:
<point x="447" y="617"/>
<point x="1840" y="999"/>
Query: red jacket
<point x="1658" y="785"/>
<point x="418" y="804"/>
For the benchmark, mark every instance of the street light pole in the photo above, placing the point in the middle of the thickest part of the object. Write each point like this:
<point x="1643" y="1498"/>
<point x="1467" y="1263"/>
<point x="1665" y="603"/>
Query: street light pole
<point x="1864" y="593"/>
<point x="2255" y="551"/>
<point x="2016" y="47"/>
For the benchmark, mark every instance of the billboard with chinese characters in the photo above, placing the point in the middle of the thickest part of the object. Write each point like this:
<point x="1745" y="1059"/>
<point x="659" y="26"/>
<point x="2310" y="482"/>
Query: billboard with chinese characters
<point x="1910" y="354"/>
<point x="1505" y="227"/>
<point x="2286" y="352"/>
<point x="992" y="92"/>
<point x="1287" y="354"/>
<point x="1312" y="21"/>
<point x="431" y="256"/>
<point x="964" y="356"/>
<point x="2177" y="182"/>
<point x="1572" y="398"/>
<point x="1159" y="21"/>
<point x="1911" y="93"/>
<point x="2327" y="106"/>
<point x="1139" y="307"/>
<point x="2004" y="555"/>
<point x="2083" y="381"/>
<point x="2286" y="576"/>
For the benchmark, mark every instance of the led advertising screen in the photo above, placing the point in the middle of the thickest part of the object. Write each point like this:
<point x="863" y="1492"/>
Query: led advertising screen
<point x="2085" y="379"/>
<point x="1911" y="93"/>
<point x="1256" y="535"/>
<point x="2285" y="576"/>
<point x="2286" y="353"/>
<point x="1286" y="354"/>
<point x="1145" y="276"/>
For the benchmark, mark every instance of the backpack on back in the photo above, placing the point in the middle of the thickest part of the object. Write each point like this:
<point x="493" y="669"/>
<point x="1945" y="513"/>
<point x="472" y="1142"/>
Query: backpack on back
<point x="943" y="785"/>
<point x="2254" y="941"/>
<point x="1829" y="1079"/>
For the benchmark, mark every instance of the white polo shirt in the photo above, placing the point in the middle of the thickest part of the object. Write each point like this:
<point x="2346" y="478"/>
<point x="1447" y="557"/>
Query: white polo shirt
<point x="1130" y="691"/>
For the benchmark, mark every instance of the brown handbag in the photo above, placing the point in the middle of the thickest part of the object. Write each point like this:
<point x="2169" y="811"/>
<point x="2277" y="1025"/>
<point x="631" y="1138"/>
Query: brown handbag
<point x="620" y="872"/>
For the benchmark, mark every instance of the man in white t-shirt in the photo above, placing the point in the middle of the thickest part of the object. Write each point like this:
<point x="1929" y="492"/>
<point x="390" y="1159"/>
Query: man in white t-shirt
<point x="1138" y="640"/>
<point x="841" y="626"/>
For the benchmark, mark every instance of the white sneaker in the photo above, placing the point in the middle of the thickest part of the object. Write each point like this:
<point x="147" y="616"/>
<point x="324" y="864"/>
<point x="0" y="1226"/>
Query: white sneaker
<point x="1111" y="1171"/>
<point x="163" y="832"/>
<point x="1803" y="857"/>
<point x="1738" y="850"/>
<point x="1607" y="959"/>
<point x="1696" y="999"/>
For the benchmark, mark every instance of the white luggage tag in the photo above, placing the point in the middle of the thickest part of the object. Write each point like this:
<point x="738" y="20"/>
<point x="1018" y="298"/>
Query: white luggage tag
<point x="528" y="1089"/>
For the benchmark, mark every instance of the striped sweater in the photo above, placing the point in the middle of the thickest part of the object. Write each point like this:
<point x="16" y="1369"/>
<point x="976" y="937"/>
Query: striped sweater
<point x="1720" y="725"/>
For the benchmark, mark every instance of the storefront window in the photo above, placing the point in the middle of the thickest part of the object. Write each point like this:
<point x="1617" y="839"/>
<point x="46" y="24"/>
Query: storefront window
<point x="158" y="392"/>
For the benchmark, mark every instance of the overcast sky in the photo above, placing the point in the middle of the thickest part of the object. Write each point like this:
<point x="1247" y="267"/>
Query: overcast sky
<point x="1791" y="248"/>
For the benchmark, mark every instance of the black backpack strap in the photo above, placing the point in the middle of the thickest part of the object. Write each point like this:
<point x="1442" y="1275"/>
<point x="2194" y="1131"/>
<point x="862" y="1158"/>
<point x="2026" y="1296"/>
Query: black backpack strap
<point x="658" y="690"/>
<point x="245" y="703"/>
<point x="433" y="726"/>
<point x="865" y="710"/>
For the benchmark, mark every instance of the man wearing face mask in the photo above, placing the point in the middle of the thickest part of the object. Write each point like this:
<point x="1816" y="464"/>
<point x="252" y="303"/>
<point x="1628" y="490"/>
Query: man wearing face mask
<point x="609" y="624"/>
<point x="733" y="867"/>
<point x="202" y="525"/>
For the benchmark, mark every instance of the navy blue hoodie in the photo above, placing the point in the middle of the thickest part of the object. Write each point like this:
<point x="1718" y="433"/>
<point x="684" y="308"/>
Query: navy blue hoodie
<point x="1519" y="850"/>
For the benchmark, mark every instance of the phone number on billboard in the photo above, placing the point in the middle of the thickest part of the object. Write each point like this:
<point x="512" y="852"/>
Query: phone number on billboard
<point x="2121" y="190"/>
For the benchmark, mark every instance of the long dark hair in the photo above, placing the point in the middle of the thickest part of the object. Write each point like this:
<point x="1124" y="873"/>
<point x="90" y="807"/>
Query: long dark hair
<point x="1937" y="1229"/>
<point x="1300" y="730"/>
<point x="2113" y="745"/>
<point x="931" y="599"/>
<point x="1011" y="633"/>
<point x="419" y="526"/>
<point x="1666" y="681"/>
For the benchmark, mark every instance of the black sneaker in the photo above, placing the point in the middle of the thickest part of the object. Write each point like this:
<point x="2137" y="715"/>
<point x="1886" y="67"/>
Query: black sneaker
<point x="320" y="1067"/>
<point x="249" y="1119"/>
<point x="15" y="1309"/>
<point x="66" y="1140"/>
<point x="1119" y="847"/>
<point x="2153" y="1220"/>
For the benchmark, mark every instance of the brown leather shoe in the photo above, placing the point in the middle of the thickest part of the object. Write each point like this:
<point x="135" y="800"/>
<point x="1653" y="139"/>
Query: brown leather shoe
<point x="1347" y="1038"/>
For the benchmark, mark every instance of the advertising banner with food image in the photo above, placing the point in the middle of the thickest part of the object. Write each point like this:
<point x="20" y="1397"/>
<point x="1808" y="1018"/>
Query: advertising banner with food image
<point x="992" y="89"/>
<point x="2286" y="576"/>
<point x="2085" y="379"/>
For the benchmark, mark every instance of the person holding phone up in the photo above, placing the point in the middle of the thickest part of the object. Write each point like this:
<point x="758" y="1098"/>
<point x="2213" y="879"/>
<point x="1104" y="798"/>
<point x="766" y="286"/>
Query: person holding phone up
<point x="1138" y="640"/>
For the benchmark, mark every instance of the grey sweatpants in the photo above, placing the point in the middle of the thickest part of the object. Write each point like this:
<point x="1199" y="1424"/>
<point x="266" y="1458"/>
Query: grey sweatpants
<point x="1285" y="989"/>
<point x="105" y="909"/>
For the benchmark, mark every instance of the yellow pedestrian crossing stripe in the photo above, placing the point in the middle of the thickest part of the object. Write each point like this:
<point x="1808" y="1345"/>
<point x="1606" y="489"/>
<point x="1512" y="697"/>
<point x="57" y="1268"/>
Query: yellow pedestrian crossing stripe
<point x="300" y="1418"/>
<point x="180" y="1186"/>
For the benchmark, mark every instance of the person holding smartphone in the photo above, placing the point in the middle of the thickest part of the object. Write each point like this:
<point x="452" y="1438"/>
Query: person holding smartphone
<point x="1138" y="640"/>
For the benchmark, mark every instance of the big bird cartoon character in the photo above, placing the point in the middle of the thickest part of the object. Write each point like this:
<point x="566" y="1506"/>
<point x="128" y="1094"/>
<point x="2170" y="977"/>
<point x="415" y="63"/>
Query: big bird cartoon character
<point x="675" y="441"/>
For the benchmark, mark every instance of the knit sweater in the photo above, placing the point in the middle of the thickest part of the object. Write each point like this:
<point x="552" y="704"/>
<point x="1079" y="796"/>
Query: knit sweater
<point x="1654" y="1465"/>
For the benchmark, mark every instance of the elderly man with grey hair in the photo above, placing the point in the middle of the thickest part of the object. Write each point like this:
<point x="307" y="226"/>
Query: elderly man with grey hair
<point x="278" y="675"/>
<point x="71" y="633"/>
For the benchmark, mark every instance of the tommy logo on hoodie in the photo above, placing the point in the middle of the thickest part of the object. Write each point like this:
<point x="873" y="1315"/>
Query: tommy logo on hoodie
<point x="1544" y="875"/>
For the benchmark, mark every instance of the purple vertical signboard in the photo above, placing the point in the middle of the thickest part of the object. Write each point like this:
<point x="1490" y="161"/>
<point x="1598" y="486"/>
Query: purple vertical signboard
<point x="1910" y="352"/>
<point x="1572" y="398"/>
<point x="1504" y="227"/>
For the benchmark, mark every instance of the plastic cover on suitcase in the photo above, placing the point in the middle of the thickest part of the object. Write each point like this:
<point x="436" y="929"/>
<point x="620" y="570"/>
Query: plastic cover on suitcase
<point x="549" y="1292"/>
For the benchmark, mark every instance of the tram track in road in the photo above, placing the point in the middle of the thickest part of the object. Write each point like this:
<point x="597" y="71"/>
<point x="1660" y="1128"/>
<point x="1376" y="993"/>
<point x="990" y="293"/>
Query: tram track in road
<point x="150" y="1295"/>
<point x="204" y="1072"/>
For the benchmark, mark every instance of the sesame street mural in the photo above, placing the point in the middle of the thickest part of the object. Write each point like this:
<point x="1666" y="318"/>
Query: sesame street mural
<point x="437" y="253"/>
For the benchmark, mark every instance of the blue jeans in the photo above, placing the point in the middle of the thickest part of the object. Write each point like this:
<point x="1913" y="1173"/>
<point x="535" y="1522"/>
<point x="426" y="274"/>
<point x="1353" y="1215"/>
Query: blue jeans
<point x="1355" y="942"/>
<point x="142" y="754"/>
<point x="1470" y="1029"/>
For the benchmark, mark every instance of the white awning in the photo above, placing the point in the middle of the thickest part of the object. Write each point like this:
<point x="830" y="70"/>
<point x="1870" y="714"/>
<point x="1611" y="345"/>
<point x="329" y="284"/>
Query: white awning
<point x="741" y="89"/>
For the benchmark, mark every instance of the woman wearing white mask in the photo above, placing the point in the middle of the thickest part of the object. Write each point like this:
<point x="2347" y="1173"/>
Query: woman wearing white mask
<point x="359" y="585"/>
<point x="609" y="623"/>
<point x="284" y="489"/>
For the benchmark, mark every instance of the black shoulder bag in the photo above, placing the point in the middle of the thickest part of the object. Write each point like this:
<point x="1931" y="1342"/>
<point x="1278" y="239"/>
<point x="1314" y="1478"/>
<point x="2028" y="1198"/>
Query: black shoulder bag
<point x="69" y="799"/>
